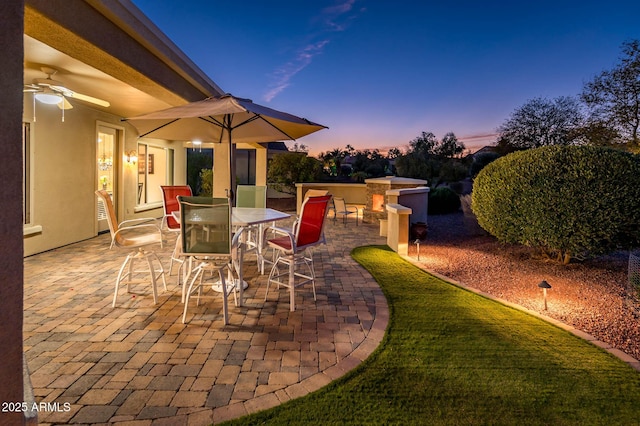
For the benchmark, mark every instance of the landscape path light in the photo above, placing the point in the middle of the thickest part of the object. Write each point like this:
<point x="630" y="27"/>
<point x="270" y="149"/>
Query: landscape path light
<point x="544" y="286"/>
<point x="417" y="243"/>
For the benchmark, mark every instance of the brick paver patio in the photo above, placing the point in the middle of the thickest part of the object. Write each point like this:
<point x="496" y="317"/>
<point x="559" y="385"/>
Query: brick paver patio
<point x="138" y="364"/>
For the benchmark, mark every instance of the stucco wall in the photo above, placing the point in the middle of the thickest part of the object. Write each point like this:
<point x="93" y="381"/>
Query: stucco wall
<point x="64" y="181"/>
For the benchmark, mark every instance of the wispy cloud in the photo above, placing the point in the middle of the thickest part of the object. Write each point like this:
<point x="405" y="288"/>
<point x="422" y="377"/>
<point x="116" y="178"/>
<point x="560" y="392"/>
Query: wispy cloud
<point x="282" y="76"/>
<point x="336" y="17"/>
<point x="333" y="19"/>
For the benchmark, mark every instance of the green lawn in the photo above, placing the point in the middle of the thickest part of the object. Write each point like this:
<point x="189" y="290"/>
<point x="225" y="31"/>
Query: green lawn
<point x="452" y="357"/>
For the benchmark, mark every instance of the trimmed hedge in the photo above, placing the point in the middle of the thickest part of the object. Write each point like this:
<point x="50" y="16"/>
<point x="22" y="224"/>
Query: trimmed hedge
<point x="572" y="200"/>
<point x="443" y="200"/>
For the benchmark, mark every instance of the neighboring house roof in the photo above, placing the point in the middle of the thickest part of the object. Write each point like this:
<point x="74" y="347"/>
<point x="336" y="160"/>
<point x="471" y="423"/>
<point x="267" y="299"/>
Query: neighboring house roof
<point x="112" y="51"/>
<point x="276" y="146"/>
<point x="486" y="148"/>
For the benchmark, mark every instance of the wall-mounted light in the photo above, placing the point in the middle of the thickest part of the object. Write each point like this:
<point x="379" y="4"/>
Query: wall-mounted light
<point x="196" y="143"/>
<point x="131" y="157"/>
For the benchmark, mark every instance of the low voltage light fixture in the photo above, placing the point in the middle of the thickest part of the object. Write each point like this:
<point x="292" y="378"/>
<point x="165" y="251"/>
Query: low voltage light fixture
<point x="544" y="286"/>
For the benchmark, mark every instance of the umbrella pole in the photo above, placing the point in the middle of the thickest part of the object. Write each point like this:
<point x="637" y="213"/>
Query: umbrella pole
<point x="232" y="161"/>
<point x="231" y="197"/>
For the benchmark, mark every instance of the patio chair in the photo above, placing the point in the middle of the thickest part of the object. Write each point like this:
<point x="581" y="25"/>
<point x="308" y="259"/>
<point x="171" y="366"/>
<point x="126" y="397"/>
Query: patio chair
<point x="170" y="204"/>
<point x="254" y="197"/>
<point x="294" y="248"/>
<point x="251" y="196"/>
<point x="318" y="193"/>
<point x="208" y="240"/>
<point x="315" y="193"/>
<point x="169" y="223"/>
<point x="342" y="209"/>
<point x="307" y="195"/>
<point x="135" y="235"/>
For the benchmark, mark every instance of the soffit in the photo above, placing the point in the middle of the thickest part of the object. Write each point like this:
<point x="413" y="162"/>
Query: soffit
<point x="99" y="56"/>
<point x="125" y="99"/>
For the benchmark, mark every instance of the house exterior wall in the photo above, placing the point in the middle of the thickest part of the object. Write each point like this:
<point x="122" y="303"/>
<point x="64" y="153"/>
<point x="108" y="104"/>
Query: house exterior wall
<point x="130" y="177"/>
<point x="117" y="39"/>
<point x="65" y="178"/>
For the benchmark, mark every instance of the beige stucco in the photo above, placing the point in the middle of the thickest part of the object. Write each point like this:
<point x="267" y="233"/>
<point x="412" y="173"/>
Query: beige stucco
<point x="261" y="166"/>
<point x="108" y="50"/>
<point x="221" y="175"/>
<point x="398" y="228"/>
<point x="65" y="174"/>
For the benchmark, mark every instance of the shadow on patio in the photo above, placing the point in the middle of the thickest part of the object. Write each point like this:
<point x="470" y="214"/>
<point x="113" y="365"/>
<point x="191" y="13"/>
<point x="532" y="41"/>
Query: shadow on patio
<point x="139" y="362"/>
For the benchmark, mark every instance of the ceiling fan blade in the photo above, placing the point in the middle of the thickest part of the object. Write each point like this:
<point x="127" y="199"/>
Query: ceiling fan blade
<point x="86" y="98"/>
<point x="48" y="83"/>
<point x="65" y="104"/>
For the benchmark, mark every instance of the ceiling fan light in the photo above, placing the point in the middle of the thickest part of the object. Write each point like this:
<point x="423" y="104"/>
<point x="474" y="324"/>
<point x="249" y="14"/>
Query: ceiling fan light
<point x="49" y="98"/>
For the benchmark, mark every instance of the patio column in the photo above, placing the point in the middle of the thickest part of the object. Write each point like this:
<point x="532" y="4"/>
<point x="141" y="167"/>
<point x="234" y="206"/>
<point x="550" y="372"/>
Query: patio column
<point x="261" y="166"/>
<point x="11" y="249"/>
<point x="221" y="173"/>
<point x="398" y="228"/>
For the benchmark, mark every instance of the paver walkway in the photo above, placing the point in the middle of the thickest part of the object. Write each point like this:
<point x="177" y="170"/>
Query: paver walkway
<point x="138" y="364"/>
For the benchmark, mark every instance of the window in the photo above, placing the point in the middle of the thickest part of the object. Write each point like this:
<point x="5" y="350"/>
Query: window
<point x="246" y="166"/>
<point x="155" y="168"/>
<point x="27" y="177"/>
<point x="26" y="166"/>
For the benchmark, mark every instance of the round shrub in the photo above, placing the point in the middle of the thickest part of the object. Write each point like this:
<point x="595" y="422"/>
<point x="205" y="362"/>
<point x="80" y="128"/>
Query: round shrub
<point x="443" y="200"/>
<point x="571" y="200"/>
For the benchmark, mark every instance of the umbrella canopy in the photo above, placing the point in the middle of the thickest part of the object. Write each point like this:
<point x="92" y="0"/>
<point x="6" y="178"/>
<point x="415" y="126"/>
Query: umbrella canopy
<point x="223" y="119"/>
<point x="217" y="119"/>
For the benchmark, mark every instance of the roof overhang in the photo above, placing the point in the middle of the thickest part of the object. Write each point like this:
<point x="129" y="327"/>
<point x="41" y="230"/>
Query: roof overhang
<point x="110" y="50"/>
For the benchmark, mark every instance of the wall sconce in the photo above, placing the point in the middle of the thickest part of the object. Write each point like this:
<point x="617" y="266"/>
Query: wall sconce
<point x="131" y="157"/>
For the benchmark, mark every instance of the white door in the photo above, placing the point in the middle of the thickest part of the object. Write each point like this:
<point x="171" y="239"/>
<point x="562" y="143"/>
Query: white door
<point x="106" y="164"/>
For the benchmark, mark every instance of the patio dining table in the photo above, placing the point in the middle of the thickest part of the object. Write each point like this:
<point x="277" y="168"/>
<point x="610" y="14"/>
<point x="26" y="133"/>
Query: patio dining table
<point x="243" y="217"/>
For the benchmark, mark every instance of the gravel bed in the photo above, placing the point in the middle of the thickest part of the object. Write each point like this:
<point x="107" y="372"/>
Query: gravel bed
<point x="592" y="295"/>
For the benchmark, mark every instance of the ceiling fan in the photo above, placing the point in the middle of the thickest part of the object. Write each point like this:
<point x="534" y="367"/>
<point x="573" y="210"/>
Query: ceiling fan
<point x="49" y="91"/>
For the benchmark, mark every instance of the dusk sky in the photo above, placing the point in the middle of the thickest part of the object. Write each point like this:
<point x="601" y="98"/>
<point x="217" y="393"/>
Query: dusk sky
<point x="378" y="73"/>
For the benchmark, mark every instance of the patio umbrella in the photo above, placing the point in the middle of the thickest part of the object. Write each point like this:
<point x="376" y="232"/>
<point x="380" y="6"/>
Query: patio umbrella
<point x="223" y="119"/>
